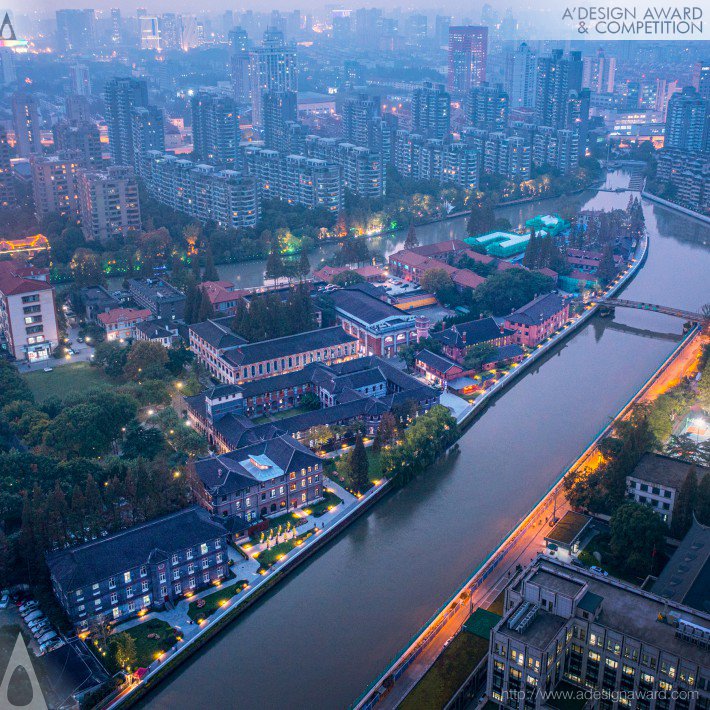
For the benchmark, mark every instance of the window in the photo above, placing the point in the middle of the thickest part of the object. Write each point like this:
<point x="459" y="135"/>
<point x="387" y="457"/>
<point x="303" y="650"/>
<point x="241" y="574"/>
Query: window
<point x="192" y="582"/>
<point x="161" y="577"/>
<point x="129" y="592"/>
<point x="205" y="563"/>
<point x="116" y="612"/>
<point x="114" y="598"/>
<point x="112" y="583"/>
<point x="131" y="606"/>
<point x="203" y="548"/>
<point x="174" y="559"/>
<point x="190" y="568"/>
<point x="126" y="577"/>
<point x="146" y="600"/>
<point x="206" y="577"/>
<point x="176" y="574"/>
<point x="79" y="593"/>
<point x="95" y="588"/>
<point x="144" y="587"/>
<point x="177" y="588"/>
<point x="163" y="592"/>
<point x="218" y="557"/>
<point x="144" y="571"/>
<point x="188" y="554"/>
<point x="217" y="544"/>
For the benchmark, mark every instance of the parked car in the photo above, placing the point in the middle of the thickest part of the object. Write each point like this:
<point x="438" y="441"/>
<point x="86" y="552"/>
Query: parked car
<point x="35" y="623"/>
<point x="49" y="636"/>
<point x="42" y="630"/>
<point x="4" y="600"/>
<point x="27" y="606"/>
<point x="599" y="571"/>
<point x="36" y="614"/>
<point x="52" y="645"/>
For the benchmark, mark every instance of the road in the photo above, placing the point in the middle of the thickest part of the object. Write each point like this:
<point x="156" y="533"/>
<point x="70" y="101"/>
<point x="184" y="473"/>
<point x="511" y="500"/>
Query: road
<point x="526" y="547"/>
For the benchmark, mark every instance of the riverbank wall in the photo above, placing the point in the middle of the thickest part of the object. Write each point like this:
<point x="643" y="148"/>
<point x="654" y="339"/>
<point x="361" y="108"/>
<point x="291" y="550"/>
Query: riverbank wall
<point x="677" y="208"/>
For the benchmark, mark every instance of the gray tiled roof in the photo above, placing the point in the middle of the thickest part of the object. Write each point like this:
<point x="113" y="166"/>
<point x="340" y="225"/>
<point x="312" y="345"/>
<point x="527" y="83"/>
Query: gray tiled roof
<point x="469" y="333"/>
<point x="539" y="309"/>
<point x="440" y="363"/>
<point x="664" y="470"/>
<point x="78" y="567"/>
<point x="218" y="335"/>
<point x="365" y="308"/>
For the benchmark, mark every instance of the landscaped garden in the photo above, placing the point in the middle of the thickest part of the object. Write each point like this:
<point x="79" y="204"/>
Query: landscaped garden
<point x="138" y="646"/>
<point x="330" y="500"/>
<point x="268" y="558"/>
<point x="206" y="606"/>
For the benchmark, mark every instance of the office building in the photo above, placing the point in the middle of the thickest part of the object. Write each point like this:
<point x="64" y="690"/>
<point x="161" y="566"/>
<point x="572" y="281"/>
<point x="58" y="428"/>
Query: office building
<point x="149" y="33"/>
<point x="280" y="109"/>
<point x="76" y="31"/>
<point x="521" y="77"/>
<point x="215" y="129"/>
<point x="79" y="80"/>
<point x="28" y="320"/>
<point x="487" y="107"/>
<point x="431" y="111"/>
<point x="701" y="79"/>
<point x="171" y="31"/>
<point x="272" y="67"/>
<point x="628" y="647"/>
<point x="122" y="95"/>
<point x="442" y="23"/>
<point x="468" y="55"/>
<point x="686" y="121"/>
<point x="7" y="184"/>
<point x="54" y="184"/>
<point x="116" y="27"/>
<point x="140" y="569"/>
<point x="81" y="138"/>
<point x="162" y="299"/>
<point x="148" y="128"/>
<point x="25" y="120"/>
<point x="201" y="191"/>
<point x="108" y="203"/>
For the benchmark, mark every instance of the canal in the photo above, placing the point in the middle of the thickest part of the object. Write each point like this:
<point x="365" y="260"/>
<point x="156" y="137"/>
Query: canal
<point x="330" y="628"/>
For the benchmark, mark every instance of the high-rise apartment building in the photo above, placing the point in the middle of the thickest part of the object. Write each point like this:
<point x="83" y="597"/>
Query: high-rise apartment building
<point x="122" y="95"/>
<point x="487" y="107"/>
<point x="8" y="71"/>
<point x="25" y="120"/>
<point x="116" y="26"/>
<point x="7" y="185"/>
<point x="598" y="73"/>
<point x="468" y="55"/>
<point x="215" y="129"/>
<point x="77" y="108"/>
<point x="701" y="79"/>
<point x="280" y="109"/>
<point x="76" y="31"/>
<point x="686" y="121"/>
<point x="108" y="203"/>
<point x="557" y="76"/>
<point x="272" y="67"/>
<point x="79" y="80"/>
<point x="81" y="138"/>
<point x="54" y="185"/>
<point x="521" y="77"/>
<point x="239" y="65"/>
<point x="358" y="112"/>
<point x="431" y="111"/>
<point x="148" y="124"/>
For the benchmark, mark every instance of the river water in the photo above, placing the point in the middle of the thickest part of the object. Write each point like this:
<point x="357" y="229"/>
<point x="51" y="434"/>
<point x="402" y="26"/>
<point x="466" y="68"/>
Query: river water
<point x="330" y="628"/>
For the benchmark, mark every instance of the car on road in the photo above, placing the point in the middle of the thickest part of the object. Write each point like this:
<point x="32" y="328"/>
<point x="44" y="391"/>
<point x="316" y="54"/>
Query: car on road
<point x="599" y="571"/>
<point x="80" y="339"/>
<point x="5" y="599"/>
<point x="28" y="610"/>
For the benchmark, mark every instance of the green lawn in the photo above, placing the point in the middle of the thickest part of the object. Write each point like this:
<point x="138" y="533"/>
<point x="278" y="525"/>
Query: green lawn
<point x="214" y="601"/>
<point x="65" y="379"/>
<point x="267" y="558"/>
<point x="447" y="674"/>
<point x="374" y="459"/>
<point x="329" y="499"/>
<point x="147" y="649"/>
<point x="283" y="414"/>
<point x="274" y="525"/>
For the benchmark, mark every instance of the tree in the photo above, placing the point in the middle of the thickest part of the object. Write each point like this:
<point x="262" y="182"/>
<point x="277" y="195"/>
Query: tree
<point x="683" y="509"/>
<point x="274" y="263"/>
<point x="637" y="538"/>
<point x="482" y="218"/>
<point x="386" y="431"/>
<point x="145" y="358"/>
<point x="86" y="268"/>
<point x="438" y="282"/>
<point x="210" y="272"/>
<point x="110" y="355"/>
<point x="359" y="466"/>
<point x="504" y="291"/>
<point x="607" y="270"/>
<point x="411" y="241"/>
<point x="702" y="505"/>
<point x="310" y="401"/>
<point x="304" y="265"/>
<point x="347" y="278"/>
<point x="479" y="354"/>
<point x="139" y="441"/>
<point x="124" y="650"/>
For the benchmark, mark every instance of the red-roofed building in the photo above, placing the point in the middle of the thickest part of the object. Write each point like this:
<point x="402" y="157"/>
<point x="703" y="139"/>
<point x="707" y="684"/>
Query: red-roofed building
<point x="120" y="323"/>
<point x="28" y="319"/>
<point x="223" y="295"/>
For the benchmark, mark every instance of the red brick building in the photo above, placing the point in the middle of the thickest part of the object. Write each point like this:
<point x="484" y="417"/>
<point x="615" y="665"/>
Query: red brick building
<point x="538" y="319"/>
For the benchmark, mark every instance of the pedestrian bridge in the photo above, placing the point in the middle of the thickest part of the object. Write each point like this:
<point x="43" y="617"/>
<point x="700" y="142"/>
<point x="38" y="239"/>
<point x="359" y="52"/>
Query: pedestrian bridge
<point x="654" y="307"/>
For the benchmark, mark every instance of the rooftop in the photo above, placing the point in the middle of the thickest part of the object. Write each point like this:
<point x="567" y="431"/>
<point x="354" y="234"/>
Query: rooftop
<point x="441" y="363"/>
<point x="367" y="309"/>
<point x="123" y="315"/>
<point x="538" y="310"/>
<point x="14" y="280"/>
<point x="78" y="567"/>
<point x="664" y="470"/>
<point x="216" y="334"/>
<point x="568" y="528"/>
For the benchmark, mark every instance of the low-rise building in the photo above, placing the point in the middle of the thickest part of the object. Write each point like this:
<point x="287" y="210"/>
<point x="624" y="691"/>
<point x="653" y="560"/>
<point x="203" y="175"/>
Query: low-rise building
<point x="457" y="339"/>
<point x="656" y="481"/>
<point x="94" y="300"/>
<point x="538" y="319"/>
<point x="380" y="328"/>
<point x="230" y="359"/>
<point x="629" y="647"/>
<point x="224" y="296"/>
<point x="159" y="330"/>
<point x="141" y="568"/>
<point x="28" y="317"/>
<point x="120" y="323"/>
<point x="438" y="369"/>
<point x="258" y="480"/>
<point x="161" y="298"/>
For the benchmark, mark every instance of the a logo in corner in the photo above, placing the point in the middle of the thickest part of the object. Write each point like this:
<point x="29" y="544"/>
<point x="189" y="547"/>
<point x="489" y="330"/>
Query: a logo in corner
<point x="20" y="658"/>
<point x="8" y="38"/>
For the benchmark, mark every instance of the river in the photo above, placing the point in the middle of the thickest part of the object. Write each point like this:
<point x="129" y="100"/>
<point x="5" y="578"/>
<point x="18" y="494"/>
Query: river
<point x="331" y="627"/>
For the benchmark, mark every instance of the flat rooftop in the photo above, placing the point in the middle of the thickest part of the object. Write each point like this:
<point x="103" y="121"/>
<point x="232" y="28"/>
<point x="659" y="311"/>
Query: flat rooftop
<point x="568" y="528"/>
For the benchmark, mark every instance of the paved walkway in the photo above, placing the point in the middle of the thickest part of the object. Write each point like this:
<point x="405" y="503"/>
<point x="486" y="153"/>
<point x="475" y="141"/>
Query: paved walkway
<point x="459" y="406"/>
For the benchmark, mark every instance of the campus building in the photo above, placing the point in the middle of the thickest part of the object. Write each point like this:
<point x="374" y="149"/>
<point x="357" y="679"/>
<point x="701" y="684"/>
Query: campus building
<point x="538" y="319"/>
<point x="564" y="626"/>
<point x="141" y="568"/>
<point x="120" y="323"/>
<point x="162" y="299"/>
<point x="28" y="319"/>
<point x="230" y="359"/>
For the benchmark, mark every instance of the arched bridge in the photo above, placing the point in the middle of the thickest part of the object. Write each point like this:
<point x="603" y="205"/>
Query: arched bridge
<point x="654" y="307"/>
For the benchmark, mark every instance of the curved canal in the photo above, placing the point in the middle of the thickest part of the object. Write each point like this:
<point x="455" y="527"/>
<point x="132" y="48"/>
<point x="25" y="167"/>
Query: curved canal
<point x="331" y="627"/>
